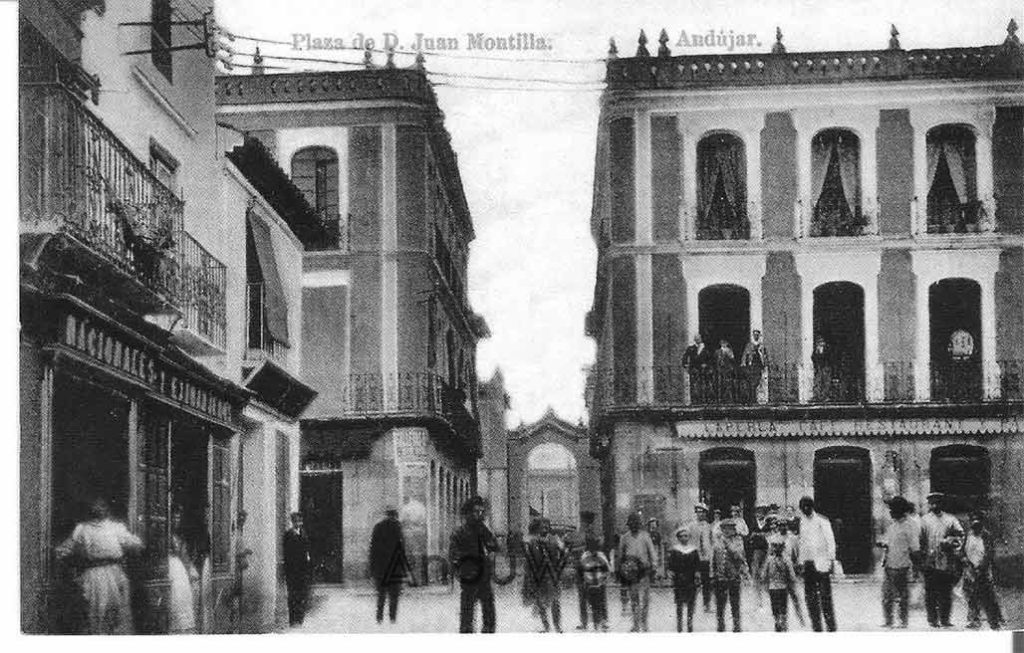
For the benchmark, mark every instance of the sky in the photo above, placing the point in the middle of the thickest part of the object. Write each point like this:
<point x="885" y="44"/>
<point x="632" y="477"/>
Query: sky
<point x="526" y="149"/>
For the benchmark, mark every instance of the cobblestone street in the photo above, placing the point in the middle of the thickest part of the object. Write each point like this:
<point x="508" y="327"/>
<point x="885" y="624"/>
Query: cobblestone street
<point x="335" y="609"/>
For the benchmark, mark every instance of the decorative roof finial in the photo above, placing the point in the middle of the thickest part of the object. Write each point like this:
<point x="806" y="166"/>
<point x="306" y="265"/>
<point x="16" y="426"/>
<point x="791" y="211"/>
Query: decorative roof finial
<point x="663" y="50"/>
<point x="1011" y="33"/>
<point x="641" y="48"/>
<point x="778" y="48"/>
<point x="257" y="62"/>
<point x="368" y="58"/>
<point x="421" y="61"/>
<point x="613" y="51"/>
<point x="894" y="38"/>
<point x="391" y="57"/>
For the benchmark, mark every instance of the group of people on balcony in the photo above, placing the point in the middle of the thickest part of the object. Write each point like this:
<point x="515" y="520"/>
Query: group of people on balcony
<point x="717" y="377"/>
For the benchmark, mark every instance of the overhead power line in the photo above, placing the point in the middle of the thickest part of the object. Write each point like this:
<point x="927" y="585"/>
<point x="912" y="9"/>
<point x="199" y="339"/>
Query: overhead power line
<point x="428" y="53"/>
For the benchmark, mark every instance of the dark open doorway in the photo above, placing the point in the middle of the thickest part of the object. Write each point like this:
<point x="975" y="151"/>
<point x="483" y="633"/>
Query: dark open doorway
<point x="963" y="473"/>
<point x="839" y="342"/>
<point x="728" y="477"/>
<point x="842" y="492"/>
<point x="321" y="500"/>
<point x="724" y="313"/>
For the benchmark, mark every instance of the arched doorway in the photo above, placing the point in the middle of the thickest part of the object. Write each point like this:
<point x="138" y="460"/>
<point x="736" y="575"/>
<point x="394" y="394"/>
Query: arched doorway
<point x="728" y="477"/>
<point x="552" y="485"/>
<point x="954" y="307"/>
<point x="838" y="349"/>
<point x="963" y="473"/>
<point x="842" y="492"/>
<point x="722" y="188"/>
<point x="723" y="315"/>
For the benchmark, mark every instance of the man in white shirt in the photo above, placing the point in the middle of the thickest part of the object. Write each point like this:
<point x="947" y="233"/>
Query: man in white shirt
<point x="817" y="555"/>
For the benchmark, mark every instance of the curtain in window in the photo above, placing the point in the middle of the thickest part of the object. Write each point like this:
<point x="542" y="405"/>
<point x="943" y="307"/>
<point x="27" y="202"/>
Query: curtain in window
<point x="731" y="167"/>
<point x="848" y="148"/>
<point x="821" y="152"/>
<point x="954" y="159"/>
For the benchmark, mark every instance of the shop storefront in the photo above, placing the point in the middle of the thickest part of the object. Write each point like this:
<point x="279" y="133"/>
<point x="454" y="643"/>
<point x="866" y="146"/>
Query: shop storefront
<point x="115" y="414"/>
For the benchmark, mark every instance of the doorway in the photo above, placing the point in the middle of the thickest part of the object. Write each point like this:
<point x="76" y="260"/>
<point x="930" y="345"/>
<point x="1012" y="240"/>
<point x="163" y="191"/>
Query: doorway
<point x="839" y="331"/>
<point x="954" y="308"/>
<point x="728" y="477"/>
<point x="322" y="510"/>
<point x="963" y="473"/>
<point x="842" y="492"/>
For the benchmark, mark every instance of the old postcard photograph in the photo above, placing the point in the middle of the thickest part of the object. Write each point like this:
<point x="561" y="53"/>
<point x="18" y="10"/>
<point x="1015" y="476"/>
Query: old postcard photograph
<point x="578" y="318"/>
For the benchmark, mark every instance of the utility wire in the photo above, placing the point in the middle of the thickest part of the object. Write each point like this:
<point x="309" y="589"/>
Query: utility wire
<point x="488" y="78"/>
<point x="451" y="55"/>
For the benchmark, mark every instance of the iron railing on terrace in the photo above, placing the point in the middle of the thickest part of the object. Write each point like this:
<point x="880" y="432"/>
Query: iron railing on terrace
<point x="79" y="179"/>
<point x="372" y="393"/>
<point x="675" y="386"/>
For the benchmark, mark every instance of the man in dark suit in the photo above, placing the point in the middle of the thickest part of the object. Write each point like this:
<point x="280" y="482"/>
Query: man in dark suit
<point x="697" y="362"/>
<point x="471" y="553"/>
<point x="296" y="569"/>
<point x="388" y="562"/>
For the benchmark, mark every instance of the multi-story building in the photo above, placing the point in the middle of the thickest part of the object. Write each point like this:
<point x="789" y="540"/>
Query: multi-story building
<point x="389" y="338"/>
<point x="136" y="385"/>
<point x="864" y="210"/>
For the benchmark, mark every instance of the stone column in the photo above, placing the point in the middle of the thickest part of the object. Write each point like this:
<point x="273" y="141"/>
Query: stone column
<point x="874" y="386"/>
<point x="983" y="165"/>
<point x="922" y="342"/>
<point x="869" y="174"/>
<point x="642" y="175"/>
<point x="644" y="330"/>
<point x="990" y="372"/>
<point x="805" y="388"/>
<point x="919" y="217"/>
<point x="803" y="209"/>
<point x="688" y="143"/>
<point x="752" y="145"/>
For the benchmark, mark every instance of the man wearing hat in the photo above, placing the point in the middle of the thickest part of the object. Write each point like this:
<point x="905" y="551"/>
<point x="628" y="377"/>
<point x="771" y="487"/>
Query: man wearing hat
<point x="700" y="537"/>
<point x="471" y="553"/>
<point x="978" y="582"/>
<point x="296" y="569"/>
<point x="388" y="563"/>
<point x="900" y="547"/>
<point x="728" y="569"/>
<point x="759" y="548"/>
<point x="941" y="540"/>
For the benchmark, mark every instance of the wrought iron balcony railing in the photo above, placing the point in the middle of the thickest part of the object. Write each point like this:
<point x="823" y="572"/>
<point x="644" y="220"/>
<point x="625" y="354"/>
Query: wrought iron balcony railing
<point x="203" y="291"/>
<point x="80" y="180"/>
<point x="412" y="393"/>
<point x="675" y="386"/>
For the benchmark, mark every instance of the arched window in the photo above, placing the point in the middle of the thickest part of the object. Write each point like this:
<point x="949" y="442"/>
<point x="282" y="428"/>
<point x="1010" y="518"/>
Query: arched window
<point x="954" y="309"/>
<point x="315" y="172"/>
<point x="835" y="184"/>
<point x="952" y="180"/>
<point x="722" y="188"/>
<point x="838" y="347"/>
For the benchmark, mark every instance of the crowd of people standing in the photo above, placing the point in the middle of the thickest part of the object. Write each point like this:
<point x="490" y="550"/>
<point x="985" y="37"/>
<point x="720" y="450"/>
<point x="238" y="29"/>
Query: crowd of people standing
<point x="708" y="563"/>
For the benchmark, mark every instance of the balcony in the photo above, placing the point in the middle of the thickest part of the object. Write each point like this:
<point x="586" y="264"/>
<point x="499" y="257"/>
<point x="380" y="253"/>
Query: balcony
<point x="119" y="228"/>
<point x="677" y="387"/>
<point x="410" y="394"/>
<point x="260" y="344"/>
<point x="203" y="296"/>
<point x="955" y="218"/>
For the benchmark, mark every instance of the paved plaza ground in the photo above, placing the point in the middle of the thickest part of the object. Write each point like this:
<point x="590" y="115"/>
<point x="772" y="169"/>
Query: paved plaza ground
<point x="336" y="609"/>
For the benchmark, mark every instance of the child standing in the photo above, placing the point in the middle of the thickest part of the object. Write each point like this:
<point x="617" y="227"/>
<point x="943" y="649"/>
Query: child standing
<point x="683" y="563"/>
<point x="594" y="569"/>
<point x="780" y="579"/>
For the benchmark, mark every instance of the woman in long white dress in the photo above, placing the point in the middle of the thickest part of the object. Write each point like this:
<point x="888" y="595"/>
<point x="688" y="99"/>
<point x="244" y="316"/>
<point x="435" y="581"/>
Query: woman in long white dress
<point x="182" y="574"/>
<point x="97" y="547"/>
